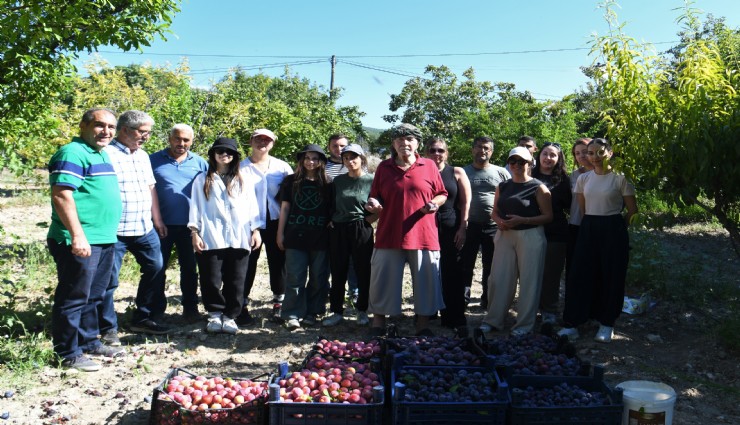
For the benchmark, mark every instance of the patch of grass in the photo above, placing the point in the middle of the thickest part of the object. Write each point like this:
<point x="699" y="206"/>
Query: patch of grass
<point x="22" y="353"/>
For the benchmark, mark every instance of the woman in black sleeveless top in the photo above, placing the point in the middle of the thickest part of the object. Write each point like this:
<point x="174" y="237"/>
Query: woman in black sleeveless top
<point x="452" y="222"/>
<point x="521" y="206"/>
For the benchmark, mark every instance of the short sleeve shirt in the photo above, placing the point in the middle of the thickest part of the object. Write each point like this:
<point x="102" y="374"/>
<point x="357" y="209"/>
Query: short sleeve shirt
<point x="135" y="178"/>
<point x="308" y="217"/>
<point x="267" y="186"/>
<point x="604" y="194"/>
<point x="401" y="224"/>
<point x="90" y="174"/>
<point x="483" y="183"/>
<point x="174" y="184"/>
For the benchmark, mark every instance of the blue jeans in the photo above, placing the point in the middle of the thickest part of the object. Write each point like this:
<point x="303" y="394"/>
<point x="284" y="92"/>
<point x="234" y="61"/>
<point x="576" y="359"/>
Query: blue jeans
<point x="82" y="283"/>
<point x="179" y="237"/>
<point x="301" y="298"/>
<point x="146" y="250"/>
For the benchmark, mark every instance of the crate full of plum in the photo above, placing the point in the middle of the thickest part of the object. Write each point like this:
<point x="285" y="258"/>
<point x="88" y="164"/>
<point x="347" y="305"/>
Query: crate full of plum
<point x="327" y="391"/>
<point x="433" y="350"/>
<point x="442" y="395"/>
<point x="186" y="398"/>
<point x="564" y="400"/>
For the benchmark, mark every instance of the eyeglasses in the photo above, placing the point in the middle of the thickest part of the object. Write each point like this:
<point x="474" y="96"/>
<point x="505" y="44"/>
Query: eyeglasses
<point x="224" y="152"/>
<point x="142" y="132"/>
<point x="556" y="145"/>
<point x="515" y="161"/>
<point x="440" y="150"/>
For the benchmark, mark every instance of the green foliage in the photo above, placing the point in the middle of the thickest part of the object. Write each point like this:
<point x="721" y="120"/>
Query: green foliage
<point x="39" y="41"/>
<point x="459" y="110"/>
<point x="675" y="124"/>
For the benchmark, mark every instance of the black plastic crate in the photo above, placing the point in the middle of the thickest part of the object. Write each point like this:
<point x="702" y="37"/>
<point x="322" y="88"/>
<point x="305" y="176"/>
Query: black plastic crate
<point x="312" y="413"/>
<point x="610" y="414"/>
<point x="168" y="412"/>
<point x="446" y="412"/>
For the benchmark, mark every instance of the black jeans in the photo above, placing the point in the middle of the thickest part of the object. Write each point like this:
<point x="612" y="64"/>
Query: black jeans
<point x="179" y="237"/>
<point x="453" y="289"/>
<point x="350" y="240"/>
<point x="479" y="237"/>
<point x="275" y="262"/>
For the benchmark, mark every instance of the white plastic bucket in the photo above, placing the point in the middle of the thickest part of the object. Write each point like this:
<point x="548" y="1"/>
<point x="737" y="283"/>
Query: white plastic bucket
<point x="647" y="403"/>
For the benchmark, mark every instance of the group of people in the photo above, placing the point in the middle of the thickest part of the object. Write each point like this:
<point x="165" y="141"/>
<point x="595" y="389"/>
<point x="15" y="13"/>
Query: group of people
<point x="324" y="222"/>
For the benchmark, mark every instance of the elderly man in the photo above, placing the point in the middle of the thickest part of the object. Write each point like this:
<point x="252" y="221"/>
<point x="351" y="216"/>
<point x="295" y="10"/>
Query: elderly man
<point x="139" y="229"/>
<point x="86" y="209"/>
<point x="174" y="169"/>
<point x="484" y="178"/>
<point x="406" y="193"/>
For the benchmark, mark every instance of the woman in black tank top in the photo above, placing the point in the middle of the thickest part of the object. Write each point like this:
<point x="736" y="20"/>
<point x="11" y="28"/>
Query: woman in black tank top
<point x="452" y="222"/>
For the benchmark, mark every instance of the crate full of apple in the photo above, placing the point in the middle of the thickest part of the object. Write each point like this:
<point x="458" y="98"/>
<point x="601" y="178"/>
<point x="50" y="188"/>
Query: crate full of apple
<point x="327" y="391"/>
<point x="186" y="398"/>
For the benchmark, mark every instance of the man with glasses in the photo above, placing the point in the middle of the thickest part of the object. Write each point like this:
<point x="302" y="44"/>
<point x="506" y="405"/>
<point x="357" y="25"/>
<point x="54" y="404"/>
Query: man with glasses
<point x="175" y="169"/>
<point x="484" y="178"/>
<point x="140" y="227"/>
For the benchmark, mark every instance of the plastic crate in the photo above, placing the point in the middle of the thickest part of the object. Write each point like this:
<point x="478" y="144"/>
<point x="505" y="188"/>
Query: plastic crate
<point x="610" y="414"/>
<point x="446" y="413"/>
<point x="292" y="413"/>
<point x="169" y="412"/>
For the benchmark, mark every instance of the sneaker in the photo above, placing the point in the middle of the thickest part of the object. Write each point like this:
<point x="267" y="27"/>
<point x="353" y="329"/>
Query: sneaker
<point x="107" y="351"/>
<point x="548" y="317"/>
<point x="604" y="334"/>
<point x="229" y="326"/>
<point x="110" y="338"/>
<point x="277" y="308"/>
<point x="243" y="319"/>
<point x="292" y="324"/>
<point x="309" y="320"/>
<point x="518" y="332"/>
<point x="215" y="323"/>
<point x="332" y="320"/>
<point x="570" y="333"/>
<point x="82" y="363"/>
<point x="362" y="319"/>
<point x="485" y="328"/>
<point x="149" y="326"/>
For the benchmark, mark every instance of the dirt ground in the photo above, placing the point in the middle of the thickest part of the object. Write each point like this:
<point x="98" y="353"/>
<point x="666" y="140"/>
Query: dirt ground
<point x="669" y="344"/>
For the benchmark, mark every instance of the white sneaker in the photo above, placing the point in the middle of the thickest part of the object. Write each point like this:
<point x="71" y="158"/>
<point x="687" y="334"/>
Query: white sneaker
<point x="362" y="319"/>
<point x="485" y="328"/>
<point x="571" y="333"/>
<point x="215" y="322"/>
<point x="604" y="334"/>
<point x="550" y="318"/>
<point x="229" y="326"/>
<point x="292" y="324"/>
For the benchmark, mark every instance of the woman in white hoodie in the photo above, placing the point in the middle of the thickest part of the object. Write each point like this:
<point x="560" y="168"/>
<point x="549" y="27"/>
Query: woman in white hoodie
<point x="225" y="228"/>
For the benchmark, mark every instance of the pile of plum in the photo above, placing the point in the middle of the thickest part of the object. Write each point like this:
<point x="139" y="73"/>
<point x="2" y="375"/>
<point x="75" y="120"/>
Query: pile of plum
<point x="535" y="354"/>
<point x="437" y="350"/>
<point x="559" y="395"/>
<point x="451" y="385"/>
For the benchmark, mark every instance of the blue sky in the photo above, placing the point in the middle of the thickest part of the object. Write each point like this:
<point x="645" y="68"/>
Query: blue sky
<point x="538" y="45"/>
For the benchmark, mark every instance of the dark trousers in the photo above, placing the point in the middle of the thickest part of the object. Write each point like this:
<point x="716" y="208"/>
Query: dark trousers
<point x="82" y="284"/>
<point x="180" y="238"/>
<point x="554" y="263"/>
<point x="595" y="289"/>
<point x="479" y="237"/>
<point x="148" y="254"/>
<point x="222" y="274"/>
<point x="453" y="288"/>
<point x="347" y="241"/>
<point x="275" y="262"/>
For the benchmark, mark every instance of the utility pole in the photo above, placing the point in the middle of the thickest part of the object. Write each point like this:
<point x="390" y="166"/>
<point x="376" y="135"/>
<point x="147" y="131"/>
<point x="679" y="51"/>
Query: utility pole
<point x="331" y="84"/>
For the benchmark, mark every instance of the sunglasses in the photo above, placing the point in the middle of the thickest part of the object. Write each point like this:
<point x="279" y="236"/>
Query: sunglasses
<point x="515" y="161"/>
<point x="440" y="150"/>
<point x="556" y="145"/>
<point x="223" y="152"/>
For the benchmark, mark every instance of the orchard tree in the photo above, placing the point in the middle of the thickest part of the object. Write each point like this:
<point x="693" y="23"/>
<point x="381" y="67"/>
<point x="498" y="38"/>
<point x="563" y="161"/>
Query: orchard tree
<point x="39" y="40"/>
<point x="675" y="122"/>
